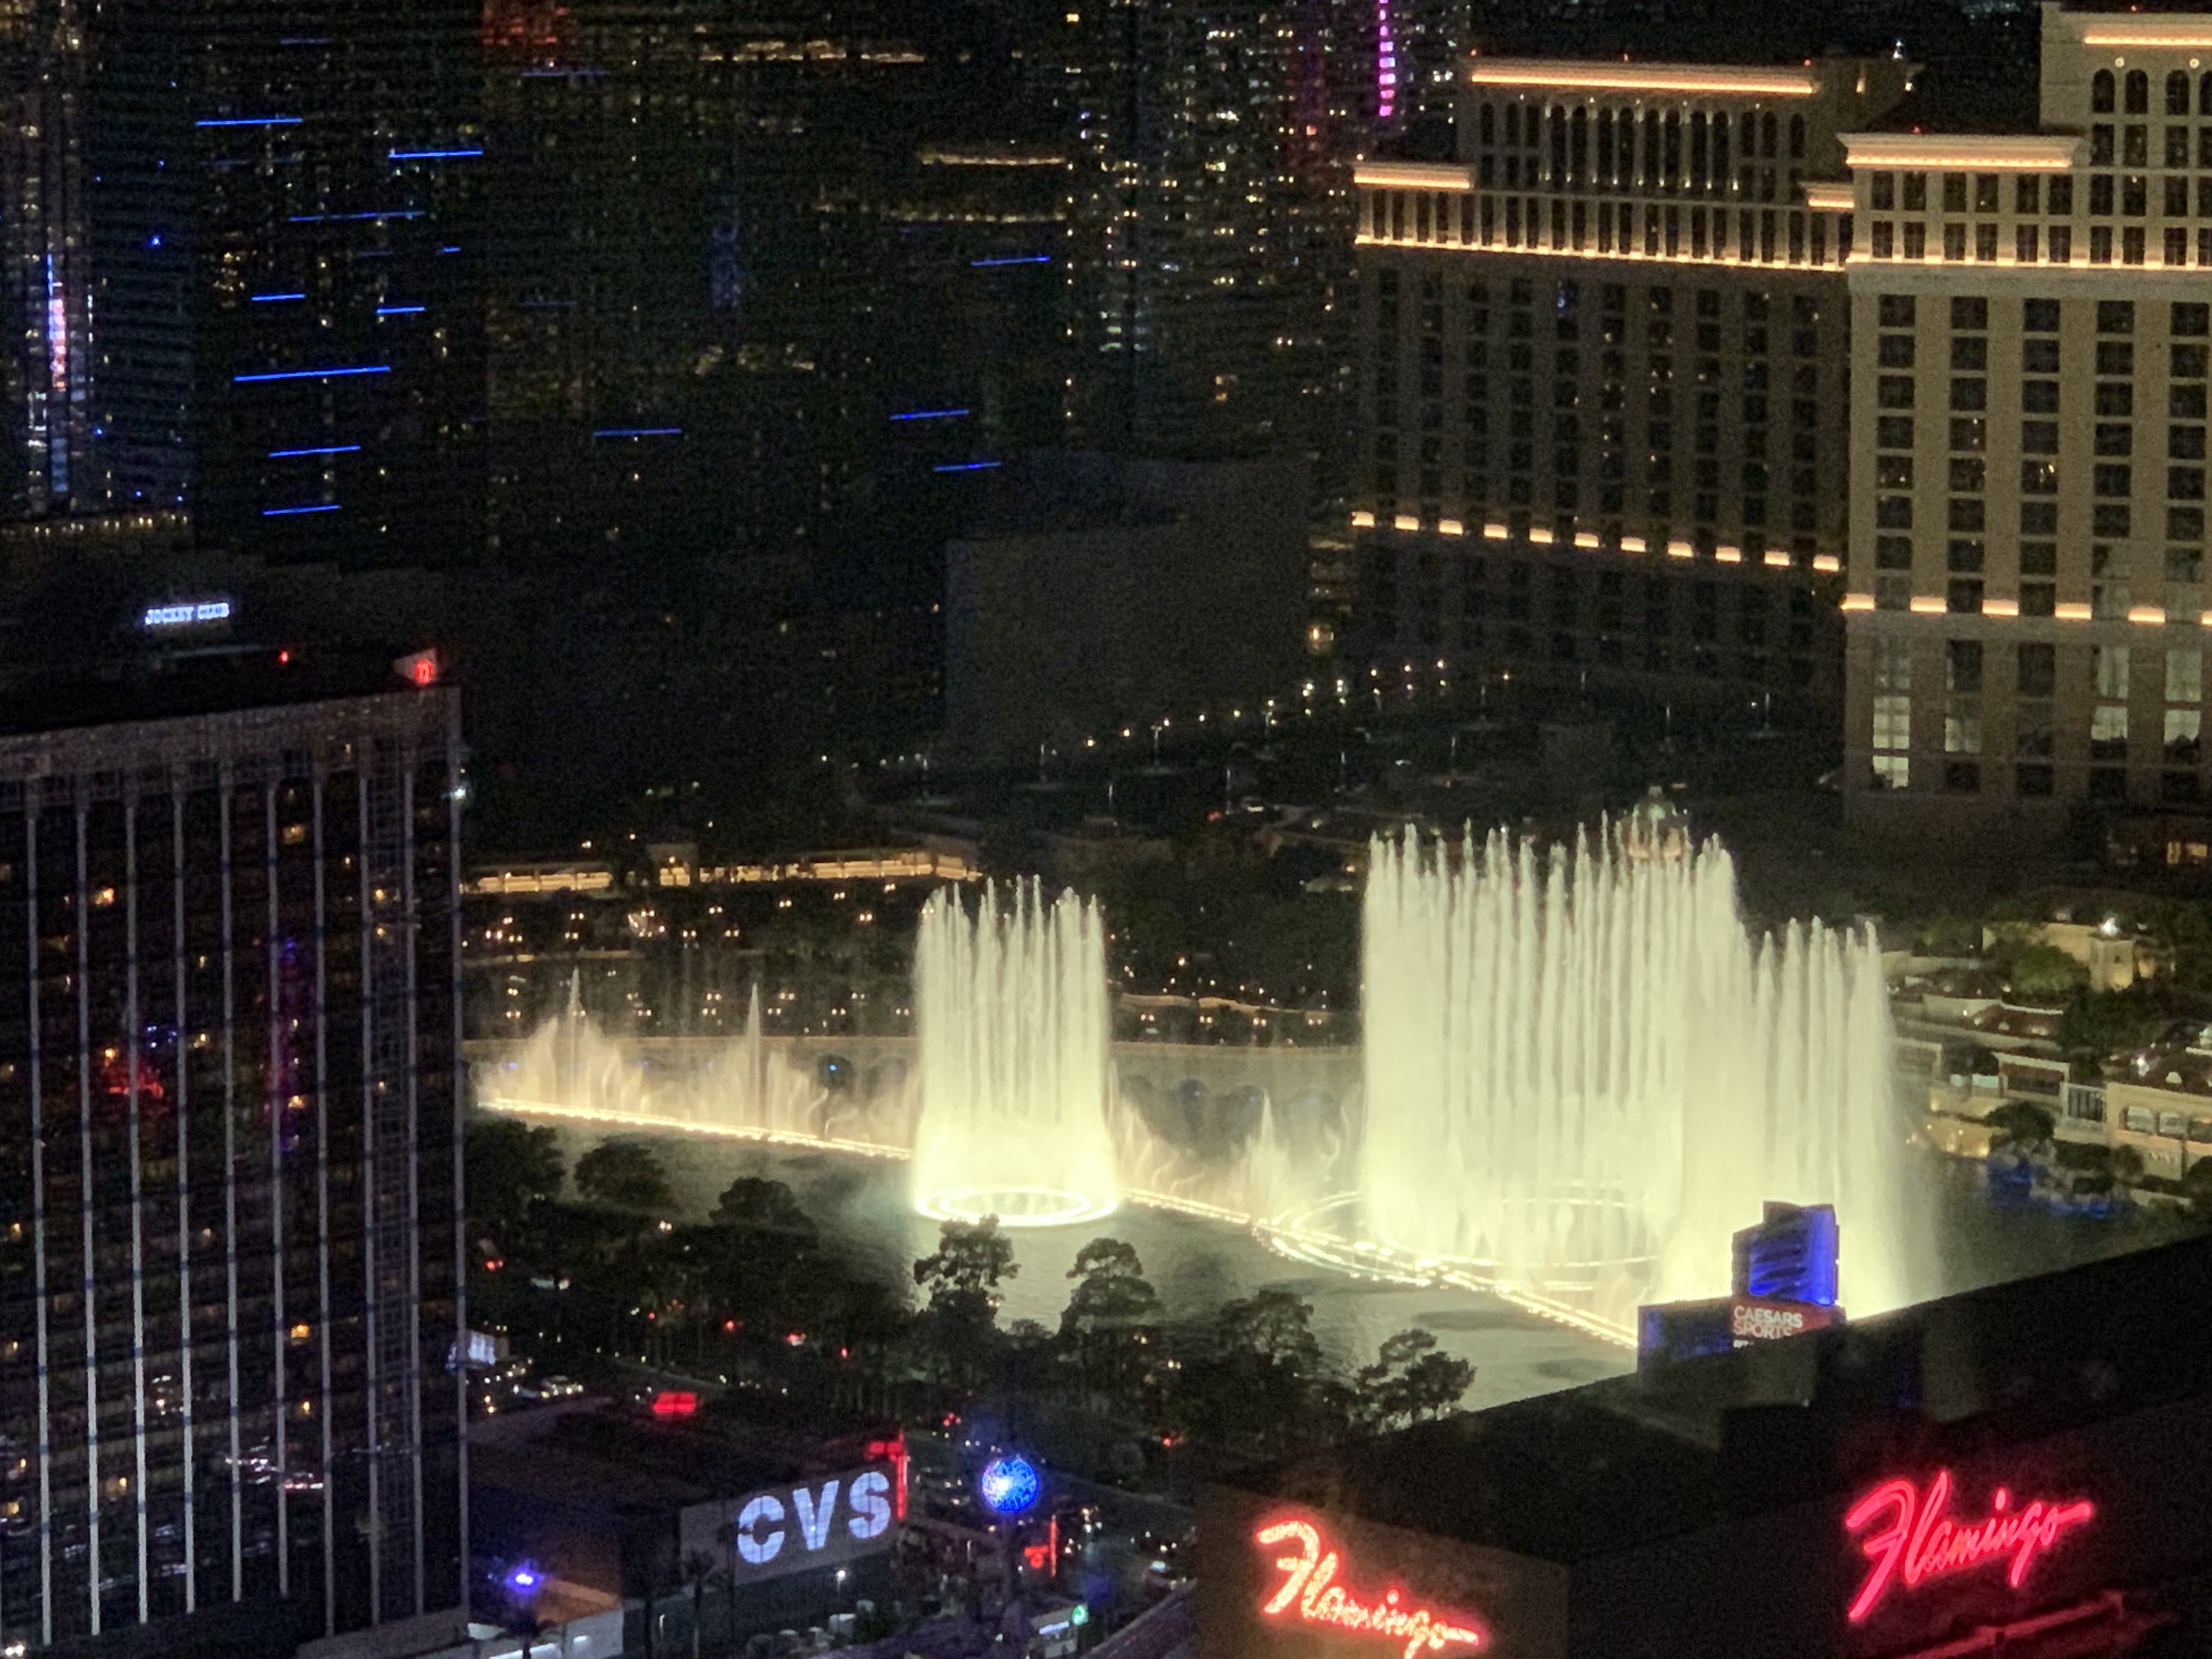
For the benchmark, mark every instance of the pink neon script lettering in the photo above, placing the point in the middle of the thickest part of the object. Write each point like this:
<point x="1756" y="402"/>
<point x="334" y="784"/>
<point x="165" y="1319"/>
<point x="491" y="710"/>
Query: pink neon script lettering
<point x="1922" y="1541"/>
<point x="1309" y="1583"/>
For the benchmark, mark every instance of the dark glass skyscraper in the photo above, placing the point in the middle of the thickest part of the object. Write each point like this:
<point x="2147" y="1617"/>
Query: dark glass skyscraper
<point x="229" y="1183"/>
<point x="238" y="252"/>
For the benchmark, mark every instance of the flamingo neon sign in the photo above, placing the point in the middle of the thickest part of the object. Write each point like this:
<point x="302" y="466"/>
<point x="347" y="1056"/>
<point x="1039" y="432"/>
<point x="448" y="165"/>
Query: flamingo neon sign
<point x="1919" y="1539"/>
<point x="1309" y="1593"/>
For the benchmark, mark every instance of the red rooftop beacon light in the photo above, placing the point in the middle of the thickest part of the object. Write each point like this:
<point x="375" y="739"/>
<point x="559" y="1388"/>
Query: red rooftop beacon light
<point x="419" y="669"/>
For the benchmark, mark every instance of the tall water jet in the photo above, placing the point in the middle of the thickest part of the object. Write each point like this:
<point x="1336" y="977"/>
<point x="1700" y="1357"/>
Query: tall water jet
<point x="1581" y="1075"/>
<point x="1010" y="1014"/>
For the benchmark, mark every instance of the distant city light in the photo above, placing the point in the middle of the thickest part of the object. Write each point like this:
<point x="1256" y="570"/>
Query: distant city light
<point x="269" y="298"/>
<point x="639" y="432"/>
<point x="253" y="121"/>
<point x="398" y="310"/>
<point x="967" y="466"/>
<point x="1008" y="1485"/>
<point x="430" y="155"/>
<point x="1015" y="259"/>
<point x="185" y="612"/>
<point x="325" y="449"/>
<point x="930" y="415"/>
<point x="293" y="511"/>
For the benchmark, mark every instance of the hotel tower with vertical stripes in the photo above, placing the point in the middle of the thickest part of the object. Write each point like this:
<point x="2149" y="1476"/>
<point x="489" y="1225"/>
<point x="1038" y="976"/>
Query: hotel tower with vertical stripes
<point x="229" y="1293"/>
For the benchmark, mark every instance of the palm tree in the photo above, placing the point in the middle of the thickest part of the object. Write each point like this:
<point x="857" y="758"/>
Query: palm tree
<point x="699" y="1568"/>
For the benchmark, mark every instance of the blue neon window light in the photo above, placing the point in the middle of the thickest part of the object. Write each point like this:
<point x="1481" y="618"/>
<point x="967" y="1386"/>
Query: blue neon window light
<point x="310" y="373"/>
<point x="325" y="449"/>
<point x="966" y="466"/>
<point x="293" y="512"/>
<point x="930" y="415"/>
<point x="1015" y="259"/>
<point x="398" y="310"/>
<point x="253" y="121"/>
<point x="429" y="155"/>
<point x="639" y="432"/>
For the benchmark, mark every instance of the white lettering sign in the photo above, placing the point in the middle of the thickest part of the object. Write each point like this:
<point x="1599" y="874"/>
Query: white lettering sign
<point x="757" y="1546"/>
<point x="821" y="1522"/>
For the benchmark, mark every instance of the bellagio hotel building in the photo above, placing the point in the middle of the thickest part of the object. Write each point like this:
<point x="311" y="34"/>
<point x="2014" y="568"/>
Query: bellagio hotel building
<point x="2030" y="317"/>
<point x="1604" y="367"/>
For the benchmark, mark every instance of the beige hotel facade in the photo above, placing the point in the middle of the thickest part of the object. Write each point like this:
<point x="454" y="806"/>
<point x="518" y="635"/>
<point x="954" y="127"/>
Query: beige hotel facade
<point x="1675" y="364"/>
<point x="2026" y="604"/>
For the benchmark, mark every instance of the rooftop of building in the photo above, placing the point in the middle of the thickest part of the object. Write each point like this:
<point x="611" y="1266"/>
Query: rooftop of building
<point x="592" y="1451"/>
<point x="1636" y="1460"/>
<point x="196" y="685"/>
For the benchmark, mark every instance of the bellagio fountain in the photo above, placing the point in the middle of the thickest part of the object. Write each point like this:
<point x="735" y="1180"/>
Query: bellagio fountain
<point x="1579" y="1075"/>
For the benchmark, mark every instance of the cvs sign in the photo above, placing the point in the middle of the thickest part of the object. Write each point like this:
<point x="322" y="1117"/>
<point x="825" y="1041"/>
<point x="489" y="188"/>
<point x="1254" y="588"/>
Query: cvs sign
<point x="819" y="1523"/>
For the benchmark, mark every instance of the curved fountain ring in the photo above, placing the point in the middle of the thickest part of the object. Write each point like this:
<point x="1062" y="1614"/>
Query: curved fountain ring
<point x="1016" y="1206"/>
<point x="1323" y="1233"/>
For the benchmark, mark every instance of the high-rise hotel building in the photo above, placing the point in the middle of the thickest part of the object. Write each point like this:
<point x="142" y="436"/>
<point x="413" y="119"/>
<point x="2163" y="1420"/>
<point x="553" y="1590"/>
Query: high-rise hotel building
<point x="229" y="1291"/>
<point x="2031" y="316"/>
<point x="1604" y="377"/>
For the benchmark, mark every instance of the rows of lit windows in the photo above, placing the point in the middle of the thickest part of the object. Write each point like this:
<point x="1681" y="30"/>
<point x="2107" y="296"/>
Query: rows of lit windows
<point x="1652" y="230"/>
<point x="1694" y="153"/>
<point x="1983" y="239"/>
<point x="2112" y="480"/>
<point x="1523" y="442"/>
<point x="2113" y="673"/>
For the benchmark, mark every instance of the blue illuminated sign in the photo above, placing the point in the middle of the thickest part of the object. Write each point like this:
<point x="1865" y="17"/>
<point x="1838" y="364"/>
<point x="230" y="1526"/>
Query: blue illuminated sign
<point x="186" y="612"/>
<point x="1008" y="1485"/>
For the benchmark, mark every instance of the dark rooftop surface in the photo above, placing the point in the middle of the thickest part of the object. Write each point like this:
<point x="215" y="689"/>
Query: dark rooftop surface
<point x="1572" y="1476"/>
<point x="192" y="686"/>
<point x="593" y="1453"/>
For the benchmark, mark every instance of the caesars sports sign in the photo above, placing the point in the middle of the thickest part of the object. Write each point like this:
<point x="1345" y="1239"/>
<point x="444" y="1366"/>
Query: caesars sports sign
<point x="818" y="1522"/>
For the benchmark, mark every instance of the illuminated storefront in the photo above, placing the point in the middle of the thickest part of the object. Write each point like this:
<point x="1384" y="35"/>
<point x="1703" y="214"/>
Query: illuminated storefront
<point x="2026" y="1471"/>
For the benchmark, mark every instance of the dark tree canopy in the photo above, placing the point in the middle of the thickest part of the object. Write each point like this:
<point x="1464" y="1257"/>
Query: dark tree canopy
<point x="510" y="1166"/>
<point x="622" y="1174"/>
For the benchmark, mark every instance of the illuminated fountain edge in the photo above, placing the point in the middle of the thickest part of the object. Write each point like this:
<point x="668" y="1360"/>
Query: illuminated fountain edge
<point x="1296" y="1236"/>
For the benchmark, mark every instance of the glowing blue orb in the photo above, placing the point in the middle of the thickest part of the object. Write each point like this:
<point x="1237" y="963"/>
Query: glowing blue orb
<point x="523" y="1580"/>
<point x="1007" y="1485"/>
